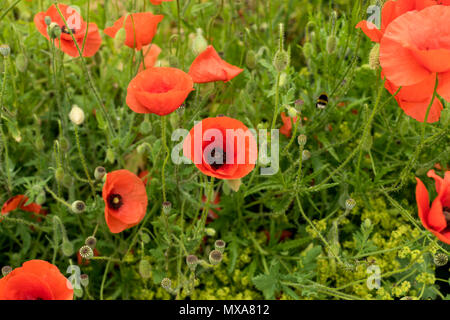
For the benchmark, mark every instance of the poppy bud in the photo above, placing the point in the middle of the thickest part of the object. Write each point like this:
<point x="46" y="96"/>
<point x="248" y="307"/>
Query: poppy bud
<point x="308" y="50"/>
<point x="281" y="60"/>
<point x="47" y="20"/>
<point x="78" y="292"/>
<point x="374" y="57"/>
<point x="84" y="279"/>
<point x="292" y="112"/>
<point x="21" y="62"/>
<point x="215" y="257"/>
<point x="99" y="173"/>
<point x="331" y="44"/>
<point x="350" y="204"/>
<point x="167" y="206"/>
<point x="306" y="155"/>
<point x="440" y="259"/>
<point x="64" y="144"/>
<point x="199" y="44"/>
<point x="250" y="59"/>
<point x="91" y="241"/>
<point x="166" y="283"/>
<point x="210" y="232"/>
<point x="53" y="30"/>
<point x="76" y="115"/>
<point x="367" y="223"/>
<point x="119" y="39"/>
<point x="5" y="50"/>
<point x="67" y="248"/>
<point x="144" y="269"/>
<point x="59" y="174"/>
<point x="141" y="149"/>
<point x="41" y="197"/>
<point x="78" y="206"/>
<point x="86" y="252"/>
<point x="145" y="127"/>
<point x="302" y="139"/>
<point x="110" y="155"/>
<point x="220" y="245"/>
<point x="145" y="237"/>
<point x="6" y="270"/>
<point x="192" y="261"/>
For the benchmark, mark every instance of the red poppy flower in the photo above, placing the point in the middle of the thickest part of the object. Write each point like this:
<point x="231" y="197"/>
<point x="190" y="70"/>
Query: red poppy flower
<point x="125" y="200"/>
<point x="79" y="28"/>
<point x="156" y="2"/>
<point x="19" y="202"/>
<point x="212" y="215"/>
<point x="151" y="53"/>
<point x="209" y="67"/>
<point x="158" y="90"/>
<point x="140" y="28"/>
<point x="35" y="280"/>
<point x="221" y="147"/>
<point x="437" y="218"/>
<point x="286" y="128"/>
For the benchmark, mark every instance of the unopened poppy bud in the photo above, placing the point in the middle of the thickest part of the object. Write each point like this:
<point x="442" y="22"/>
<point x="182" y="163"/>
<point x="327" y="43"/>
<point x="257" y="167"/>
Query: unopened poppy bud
<point x="220" y="245"/>
<point x="21" y="62"/>
<point x="110" y="155"/>
<point x="367" y="223"/>
<point x="192" y="261"/>
<point x="5" y="50"/>
<point x="47" y="20"/>
<point x="350" y="204"/>
<point x="99" y="173"/>
<point x="53" y="30"/>
<point x="86" y="252"/>
<point x="145" y="237"/>
<point x="119" y="39"/>
<point x="308" y="50"/>
<point x="167" y="206"/>
<point x="145" y="127"/>
<point x="210" y="232"/>
<point x="6" y="270"/>
<point x="41" y="197"/>
<point x="91" y="241"/>
<point x="166" y="283"/>
<point x="440" y="259"/>
<point x="331" y="44"/>
<point x="374" y="57"/>
<point x="64" y="144"/>
<point x="199" y="44"/>
<point x="306" y="155"/>
<point x="76" y="115"/>
<point x="78" y="206"/>
<point x="292" y="112"/>
<point x="142" y="148"/>
<point x="78" y="292"/>
<point x="59" y="174"/>
<point x="302" y="139"/>
<point x="215" y="257"/>
<point x="67" y="248"/>
<point x="84" y="279"/>
<point x="144" y="269"/>
<point x="250" y="59"/>
<point x="281" y="60"/>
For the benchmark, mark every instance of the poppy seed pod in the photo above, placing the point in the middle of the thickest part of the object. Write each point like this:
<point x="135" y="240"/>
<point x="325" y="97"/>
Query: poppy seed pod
<point x="192" y="261"/>
<point x="281" y="60"/>
<point x="76" y="115"/>
<point x="220" y="245"/>
<point x="86" y="252"/>
<point x="67" y="248"/>
<point x="350" y="204"/>
<point x="215" y="257"/>
<point x="91" y="241"/>
<point x="144" y="269"/>
<point x="78" y="206"/>
<point x="84" y="279"/>
<point x="167" y="206"/>
<point x="99" y="173"/>
<point x="166" y="283"/>
<point x="440" y="259"/>
<point x="6" y="270"/>
<point x="199" y="44"/>
<point x="302" y="139"/>
<point x="5" y="50"/>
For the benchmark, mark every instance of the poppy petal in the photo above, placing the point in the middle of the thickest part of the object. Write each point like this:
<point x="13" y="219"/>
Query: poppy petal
<point x="423" y="202"/>
<point x="370" y="30"/>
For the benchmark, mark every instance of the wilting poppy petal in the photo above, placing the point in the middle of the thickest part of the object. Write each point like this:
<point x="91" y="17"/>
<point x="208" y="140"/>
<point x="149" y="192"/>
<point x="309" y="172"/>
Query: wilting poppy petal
<point x="158" y="90"/>
<point x="19" y="201"/>
<point x="209" y="67"/>
<point x="140" y="28"/>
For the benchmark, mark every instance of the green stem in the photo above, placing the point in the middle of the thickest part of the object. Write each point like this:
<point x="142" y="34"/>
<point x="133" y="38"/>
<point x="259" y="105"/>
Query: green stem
<point x="83" y="161"/>
<point x="166" y="150"/>
<point x="9" y="9"/>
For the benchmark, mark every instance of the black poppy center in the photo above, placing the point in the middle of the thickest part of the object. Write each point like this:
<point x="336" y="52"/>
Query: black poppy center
<point x="65" y="30"/>
<point x="115" y="201"/>
<point x="217" y="159"/>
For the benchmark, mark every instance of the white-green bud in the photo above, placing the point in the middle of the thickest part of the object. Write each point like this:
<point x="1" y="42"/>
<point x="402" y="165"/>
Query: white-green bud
<point x="76" y="115"/>
<point x="78" y="206"/>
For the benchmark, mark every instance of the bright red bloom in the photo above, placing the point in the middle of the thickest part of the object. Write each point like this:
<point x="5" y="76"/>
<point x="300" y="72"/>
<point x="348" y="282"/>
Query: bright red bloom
<point x="125" y="200"/>
<point x="158" y="90"/>
<point x="19" y="202"/>
<point x="79" y="28"/>
<point x="156" y="2"/>
<point x="437" y="218"/>
<point x="140" y="28"/>
<point x="221" y="147"/>
<point x="35" y="280"/>
<point x="151" y="53"/>
<point x="209" y="67"/>
<point x="287" y="124"/>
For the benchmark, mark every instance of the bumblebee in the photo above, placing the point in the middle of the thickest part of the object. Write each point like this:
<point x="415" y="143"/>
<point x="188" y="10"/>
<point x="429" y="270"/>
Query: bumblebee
<point x="322" y="101"/>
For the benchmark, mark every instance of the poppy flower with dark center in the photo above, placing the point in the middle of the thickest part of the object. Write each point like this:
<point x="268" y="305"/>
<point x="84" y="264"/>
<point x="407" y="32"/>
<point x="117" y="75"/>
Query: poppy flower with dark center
<point x="125" y="200"/>
<point x="437" y="217"/>
<point x="287" y="124"/>
<point x="209" y="67"/>
<point x="35" y="280"/>
<point x="77" y="25"/>
<point x="221" y="147"/>
<point x="140" y="28"/>
<point x="158" y="90"/>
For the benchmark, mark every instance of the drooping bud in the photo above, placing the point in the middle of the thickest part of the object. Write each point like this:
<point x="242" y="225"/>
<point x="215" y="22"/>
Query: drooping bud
<point x="308" y="50"/>
<point x="86" y="252"/>
<point x="199" y="44"/>
<point x="78" y="206"/>
<point x="374" y="57"/>
<point x="145" y="237"/>
<point x="145" y="127"/>
<point x="144" y="269"/>
<point x="59" y="174"/>
<point x="99" y="173"/>
<point x="220" y="245"/>
<point x="5" y="50"/>
<point x="167" y="206"/>
<point x="350" y="204"/>
<point x="440" y="259"/>
<point x="302" y="139"/>
<point x="192" y="261"/>
<point x="331" y="44"/>
<point x="21" y="62"/>
<point x="166" y="283"/>
<point x="84" y="279"/>
<point x="250" y="59"/>
<point x="6" y="270"/>
<point x="119" y="39"/>
<point x="76" y="115"/>
<point x="67" y="248"/>
<point x="91" y="241"/>
<point x="215" y="257"/>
